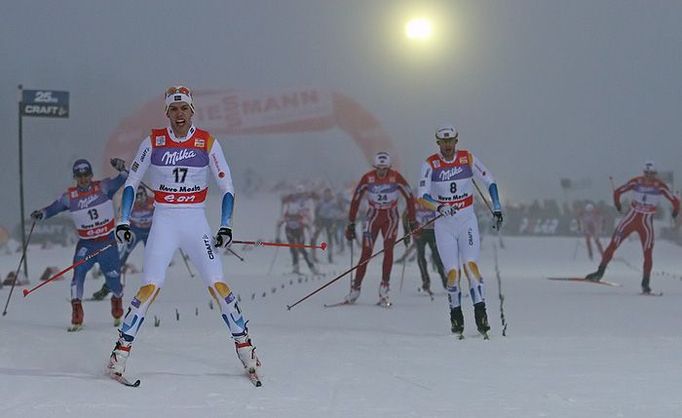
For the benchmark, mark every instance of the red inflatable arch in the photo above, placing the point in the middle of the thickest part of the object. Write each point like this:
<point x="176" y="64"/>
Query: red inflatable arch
<point x="235" y="112"/>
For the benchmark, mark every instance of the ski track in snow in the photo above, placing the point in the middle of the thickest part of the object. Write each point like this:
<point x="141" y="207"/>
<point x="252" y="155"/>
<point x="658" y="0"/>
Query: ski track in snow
<point x="572" y="349"/>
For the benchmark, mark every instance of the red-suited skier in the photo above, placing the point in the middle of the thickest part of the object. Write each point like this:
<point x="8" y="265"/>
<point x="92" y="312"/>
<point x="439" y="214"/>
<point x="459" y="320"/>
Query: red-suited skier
<point x="646" y="190"/>
<point x="383" y="187"/>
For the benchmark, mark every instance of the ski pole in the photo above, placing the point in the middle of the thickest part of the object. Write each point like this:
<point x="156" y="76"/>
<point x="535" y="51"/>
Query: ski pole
<point x="360" y="264"/>
<point x="613" y="190"/>
<point x="500" y="295"/>
<point x="73" y="266"/>
<point x="404" y="261"/>
<point x="575" y="250"/>
<point x="402" y="274"/>
<point x="16" y="276"/>
<point x="143" y="184"/>
<point x="235" y="254"/>
<point x="184" y="258"/>
<point x="322" y="245"/>
<point x="272" y="263"/>
<point x="146" y="187"/>
<point x="480" y="193"/>
<point x="351" y="262"/>
<point x="497" y="267"/>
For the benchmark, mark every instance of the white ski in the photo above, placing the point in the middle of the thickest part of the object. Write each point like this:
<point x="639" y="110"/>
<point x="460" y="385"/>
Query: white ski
<point x="124" y="381"/>
<point x="253" y="377"/>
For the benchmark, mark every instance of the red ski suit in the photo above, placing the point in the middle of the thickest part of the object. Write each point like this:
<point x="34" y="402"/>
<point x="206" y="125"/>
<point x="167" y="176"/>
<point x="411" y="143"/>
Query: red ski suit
<point x="647" y="193"/>
<point x="382" y="215"/>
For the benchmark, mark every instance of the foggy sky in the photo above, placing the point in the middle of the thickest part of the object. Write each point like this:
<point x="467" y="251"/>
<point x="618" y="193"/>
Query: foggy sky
<point x="539" y="90"/>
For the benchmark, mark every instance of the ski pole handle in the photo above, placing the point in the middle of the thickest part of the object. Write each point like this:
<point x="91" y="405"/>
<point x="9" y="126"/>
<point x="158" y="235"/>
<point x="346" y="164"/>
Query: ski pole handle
<point x="322" y="246"/>
<point x="73" y="266"/>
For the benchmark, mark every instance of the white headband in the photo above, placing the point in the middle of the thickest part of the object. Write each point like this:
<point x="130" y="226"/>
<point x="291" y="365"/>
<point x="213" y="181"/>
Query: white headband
<point x="179" y="97"/>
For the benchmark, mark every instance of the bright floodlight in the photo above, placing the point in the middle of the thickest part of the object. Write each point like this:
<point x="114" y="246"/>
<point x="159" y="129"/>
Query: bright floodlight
<point x="420" y="29"/>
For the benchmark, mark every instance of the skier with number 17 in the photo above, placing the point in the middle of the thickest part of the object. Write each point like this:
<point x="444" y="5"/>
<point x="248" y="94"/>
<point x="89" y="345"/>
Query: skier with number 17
<point x="179" y="159"/>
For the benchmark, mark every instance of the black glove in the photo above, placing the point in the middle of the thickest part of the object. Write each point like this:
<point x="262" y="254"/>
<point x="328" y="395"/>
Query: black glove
<point x="446" y="210"/>
<point x="497" y="217"/>
<point x="411" y="228"/>
<point x="618" y="206"/>
<point x="123" y="233"/>
<point x="118" y="164"/>
<point x="37" y="215"/>
<point x="223" y="238"/>
<point x="675" y="213"/>
<point x="350" y="232"/>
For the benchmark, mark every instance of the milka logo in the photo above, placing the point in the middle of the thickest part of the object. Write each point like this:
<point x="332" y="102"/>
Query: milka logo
<point x="172" y="158"/>
<point x="383" y="189"/>
<point x="84" y="203"/>
<point x="450" y="173"/>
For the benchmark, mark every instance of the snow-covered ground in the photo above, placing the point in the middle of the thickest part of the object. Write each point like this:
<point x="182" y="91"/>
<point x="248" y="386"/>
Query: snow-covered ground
<point x="571" y="350"/>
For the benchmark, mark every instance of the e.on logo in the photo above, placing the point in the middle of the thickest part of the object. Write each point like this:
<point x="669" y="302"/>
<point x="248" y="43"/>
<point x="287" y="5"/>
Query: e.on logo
<point x="96" y="231"/>
<point x="171" y="198"/>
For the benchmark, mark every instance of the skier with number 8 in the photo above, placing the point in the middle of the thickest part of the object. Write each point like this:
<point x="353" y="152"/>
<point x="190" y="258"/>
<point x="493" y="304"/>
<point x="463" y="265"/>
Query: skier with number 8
<point x="446" y="186"/>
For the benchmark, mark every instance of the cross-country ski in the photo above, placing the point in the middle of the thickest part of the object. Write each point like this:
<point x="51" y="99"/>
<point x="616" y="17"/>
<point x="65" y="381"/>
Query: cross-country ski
<point x="584" y="280"/>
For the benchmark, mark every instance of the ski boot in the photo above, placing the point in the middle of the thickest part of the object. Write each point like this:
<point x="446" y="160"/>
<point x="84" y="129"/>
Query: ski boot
<point x="117" y="309"/>
<point x="296" y="270"/>
<point x="645" y="285"/>
<point x="444" y="279"/>
<point x="425" y="288"/>
<point x="76" y="315"/>
<point x="353" y="295"/>
<point x="102" y="293"/>
<point x="481" y="319"/>
<point x="457" y="322"/>
<point x="384" y="300"/>
<point x="597" y="275"/>
<point x="129" y="268"/>
<point x="119" y="356"/>
<point x="247" y="354"/>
